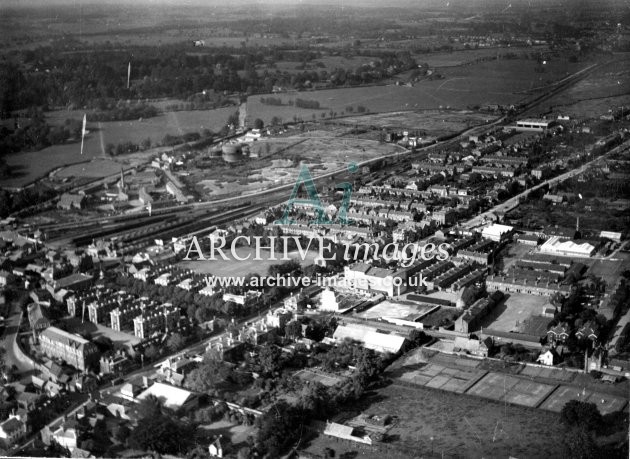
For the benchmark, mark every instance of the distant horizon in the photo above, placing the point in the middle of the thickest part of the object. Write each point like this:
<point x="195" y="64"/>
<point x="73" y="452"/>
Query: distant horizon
<point x="346" y="3"/>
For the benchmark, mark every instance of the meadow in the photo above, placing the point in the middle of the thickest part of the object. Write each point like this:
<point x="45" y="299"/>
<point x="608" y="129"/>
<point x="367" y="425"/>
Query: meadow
<point x="432" y="422"/>
<point x="494" y="82"/>
<point x="33" y="165"/>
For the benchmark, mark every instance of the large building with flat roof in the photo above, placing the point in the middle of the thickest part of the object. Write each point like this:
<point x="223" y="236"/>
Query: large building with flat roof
<point x="533" y="124"/>
<point x="72" y="349"/>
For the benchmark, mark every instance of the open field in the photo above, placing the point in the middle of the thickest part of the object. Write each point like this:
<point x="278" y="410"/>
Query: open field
<point x="98" y="167"/>
<point x="436" y="123"/>
<point x="396" y="309"/>
<point x="606" y="403"/>
<point x="502" y="387"/>
<point x="516" y="308"/>
<point x="611" y="269"/>
<point x="501" y="82"/>
<point x="32" y="165"/>
<point x="604" y="89"/>
<point x="460" y="427"/>
<point x="233" y="268"/>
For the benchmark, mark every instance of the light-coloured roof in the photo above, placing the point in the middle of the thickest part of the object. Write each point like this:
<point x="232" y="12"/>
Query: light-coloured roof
<point x="172" y="397"/>
<point x="59" y="335"/>
<point x="496" y="230"/>
<point x="338" y="430"/>
<point x="370" y="338"/>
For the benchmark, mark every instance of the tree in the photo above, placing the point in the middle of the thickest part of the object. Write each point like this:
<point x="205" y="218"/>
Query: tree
<point x="280" y="427"/>
<point x="175" y="342"/>
<point x="208" y="375"/>
<point x="150" y="407"/>
<point x="293" y="329"/>
<point x="583" y="415"/>
<point x="151" y="352"/>
<point x="269" y="358"/>
<point x="258" y="123"/>
<point x="579" y="444"/>
<point x="162" y="435"/>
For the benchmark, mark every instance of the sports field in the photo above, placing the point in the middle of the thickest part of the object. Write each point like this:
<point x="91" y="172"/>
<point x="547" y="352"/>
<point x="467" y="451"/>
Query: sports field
<point x="502" y="387"/>
<point x="510" y="314"/>
<point x="234" y="268"/>
<point x="440" y="377"/>
<point x="606" y="403"/>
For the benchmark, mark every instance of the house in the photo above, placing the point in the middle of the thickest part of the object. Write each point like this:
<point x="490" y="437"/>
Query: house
<point x="590" y="330"/>
<point x="549" y="357"/>
<point x="12" y="430"/>
<point x="473" y="346"/>
<point x="559" y="333"/>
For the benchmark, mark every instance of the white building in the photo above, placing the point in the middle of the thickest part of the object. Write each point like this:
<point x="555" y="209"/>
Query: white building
<point x="533" y="125"/>
<point x="497" y="232"/>
<point x="556" y="246"/>
<point x="370" y="338"/>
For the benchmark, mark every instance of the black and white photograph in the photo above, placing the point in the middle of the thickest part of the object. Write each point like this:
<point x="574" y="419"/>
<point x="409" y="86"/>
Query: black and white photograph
<point x="315" y="229"/>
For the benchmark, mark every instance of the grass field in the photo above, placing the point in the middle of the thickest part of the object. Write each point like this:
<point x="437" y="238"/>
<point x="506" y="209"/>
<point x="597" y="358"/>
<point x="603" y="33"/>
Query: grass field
<point x="432" y="422"/>
<point x="430" y="122"/>
<point x="223" y="268"/>
<point x="326" y="379"/>
<point x="31" y="165"/>
<point x="502" y="82"/>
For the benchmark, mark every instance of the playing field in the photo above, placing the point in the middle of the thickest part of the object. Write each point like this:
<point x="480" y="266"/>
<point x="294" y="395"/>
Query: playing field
<point x="518" y="307"/>
<point x="440" y="377"/>
<point x="518" y="391"/>
<point x="234" y="268"/>
<point x="548" y="373"/>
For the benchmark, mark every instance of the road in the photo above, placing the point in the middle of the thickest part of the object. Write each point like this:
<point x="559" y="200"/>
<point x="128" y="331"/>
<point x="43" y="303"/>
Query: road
<point x="9" y="340"/>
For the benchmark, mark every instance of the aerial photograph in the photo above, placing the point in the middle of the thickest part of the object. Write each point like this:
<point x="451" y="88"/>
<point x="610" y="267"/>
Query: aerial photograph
<point x="315" y="229"/>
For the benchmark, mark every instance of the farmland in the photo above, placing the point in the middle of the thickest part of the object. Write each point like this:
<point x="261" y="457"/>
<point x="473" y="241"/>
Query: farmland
<point x="36" y="164"/>
<point x="502" y="82"/>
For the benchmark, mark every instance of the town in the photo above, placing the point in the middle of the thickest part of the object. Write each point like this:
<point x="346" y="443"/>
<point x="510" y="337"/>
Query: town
<point x="348" y="263"/>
